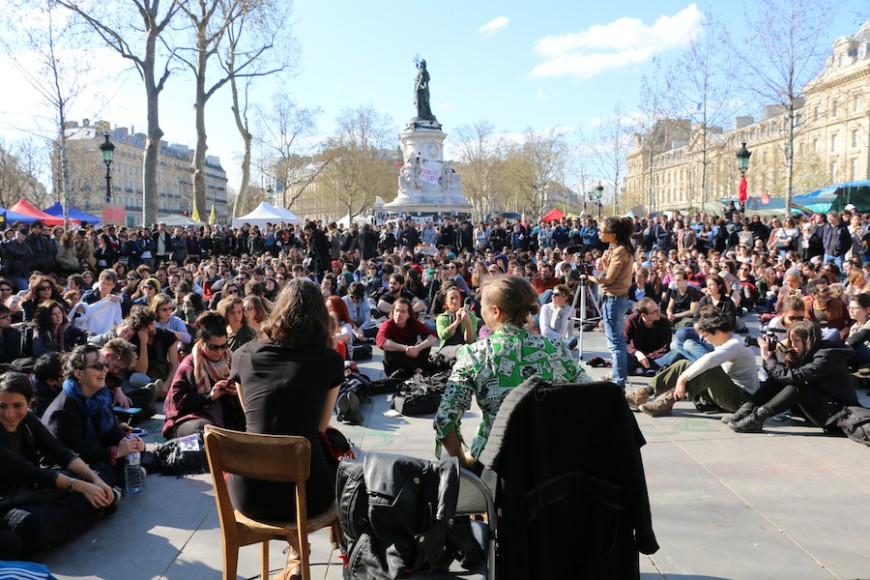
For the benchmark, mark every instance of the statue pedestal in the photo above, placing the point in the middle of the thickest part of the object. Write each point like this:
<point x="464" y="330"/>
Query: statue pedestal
<point x="427" y="185"/>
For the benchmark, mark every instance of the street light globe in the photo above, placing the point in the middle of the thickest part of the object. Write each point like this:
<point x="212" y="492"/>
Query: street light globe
<point x="108" y="148"/>
<point x="743" y="156"/>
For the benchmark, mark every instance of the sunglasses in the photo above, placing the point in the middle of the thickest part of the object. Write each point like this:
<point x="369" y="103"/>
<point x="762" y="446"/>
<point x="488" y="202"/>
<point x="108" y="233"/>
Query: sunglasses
<point x="97" y="366"/>
<point x="9" y="290"/>
<point x="44" y="288"/>
<point x="558" y="294"/>
<point x="217" y="347"/>
<point x="798" y="317"/>
<point x="233" y="291"/>
<point x="4" y="316"/>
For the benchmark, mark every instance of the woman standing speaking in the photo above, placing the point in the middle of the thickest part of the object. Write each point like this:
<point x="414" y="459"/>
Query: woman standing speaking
<point x="614" y="285"/>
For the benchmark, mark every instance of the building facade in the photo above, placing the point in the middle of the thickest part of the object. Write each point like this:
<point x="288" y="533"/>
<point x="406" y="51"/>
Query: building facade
<point x="832" y="142"/>
<point x="87" y="174"/>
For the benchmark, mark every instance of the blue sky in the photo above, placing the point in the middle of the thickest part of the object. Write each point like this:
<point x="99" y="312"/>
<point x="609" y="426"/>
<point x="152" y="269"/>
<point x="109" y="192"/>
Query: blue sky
<point x="517" y="64"/>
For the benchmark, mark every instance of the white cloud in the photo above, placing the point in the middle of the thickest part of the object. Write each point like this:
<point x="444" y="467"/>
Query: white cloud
<point x="494" y="25"/>
<point x="615" y="45"/>
<point x="540" y="95"/>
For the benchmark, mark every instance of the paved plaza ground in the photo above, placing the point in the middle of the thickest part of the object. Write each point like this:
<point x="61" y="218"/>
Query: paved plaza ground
<point x="786" y="504"/>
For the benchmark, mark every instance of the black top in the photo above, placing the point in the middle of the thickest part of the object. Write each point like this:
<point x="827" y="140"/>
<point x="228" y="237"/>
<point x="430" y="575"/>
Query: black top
<point x="66" y="420"/>
<point x="158" y="351"/>
<point x="285" y="391"/>
<point x="24" y="450"/>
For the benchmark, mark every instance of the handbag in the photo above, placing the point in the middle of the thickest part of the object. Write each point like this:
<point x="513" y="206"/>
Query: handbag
<point x="359" y="351"/>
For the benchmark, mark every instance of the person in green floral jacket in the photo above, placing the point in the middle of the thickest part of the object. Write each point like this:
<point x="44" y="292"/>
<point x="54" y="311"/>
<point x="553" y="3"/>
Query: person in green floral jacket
<point x="489" y="368"/>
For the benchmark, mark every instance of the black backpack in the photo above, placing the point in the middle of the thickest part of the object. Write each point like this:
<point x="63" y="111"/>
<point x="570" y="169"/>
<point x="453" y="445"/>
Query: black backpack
<point x="855" y="423"/>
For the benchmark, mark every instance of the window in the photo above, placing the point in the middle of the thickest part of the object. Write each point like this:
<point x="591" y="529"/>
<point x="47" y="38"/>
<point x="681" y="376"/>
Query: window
<point x="856" y="103"/>
<point x="816" y="146"/>
<point x="834" y="171"/>
<point x="815" y="113"/>
<point x="835" y="108"/>
<point x="854" y="172"/>
<point x="835" y="142"/>
<point x="855" y="138"/>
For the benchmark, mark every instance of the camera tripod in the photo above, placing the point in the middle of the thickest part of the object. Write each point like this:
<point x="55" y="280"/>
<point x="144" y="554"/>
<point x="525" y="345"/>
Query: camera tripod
<point x="583" y="294"/>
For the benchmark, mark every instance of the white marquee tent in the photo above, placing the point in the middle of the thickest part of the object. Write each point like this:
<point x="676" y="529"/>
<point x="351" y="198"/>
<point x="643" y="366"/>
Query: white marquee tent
<point x="266" y="214"/>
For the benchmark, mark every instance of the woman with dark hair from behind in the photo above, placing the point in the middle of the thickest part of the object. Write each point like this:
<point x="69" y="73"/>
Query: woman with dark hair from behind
<point x="813" y="375"/>
<point x="202" y="393"/>
<point x="613" y="286"/>
<point x="44" y="506"/>
<point x="288" y="384"/>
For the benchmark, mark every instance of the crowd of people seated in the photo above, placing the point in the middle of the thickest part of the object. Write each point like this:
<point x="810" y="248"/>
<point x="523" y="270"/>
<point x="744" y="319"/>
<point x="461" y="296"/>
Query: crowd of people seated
<point x="209" y="324"/>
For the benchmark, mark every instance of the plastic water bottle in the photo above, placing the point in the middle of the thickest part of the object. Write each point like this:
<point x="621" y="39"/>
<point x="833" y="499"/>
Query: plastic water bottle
<point x="133" y="473"/>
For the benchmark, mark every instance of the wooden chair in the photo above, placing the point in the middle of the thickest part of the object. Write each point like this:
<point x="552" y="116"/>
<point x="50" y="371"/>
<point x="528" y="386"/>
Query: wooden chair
<point x="280" y="458"/>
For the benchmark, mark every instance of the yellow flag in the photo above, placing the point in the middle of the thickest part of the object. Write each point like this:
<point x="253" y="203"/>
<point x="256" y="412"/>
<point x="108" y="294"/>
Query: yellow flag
<point x="195" y="213"/>
<point x="211" y="217"/>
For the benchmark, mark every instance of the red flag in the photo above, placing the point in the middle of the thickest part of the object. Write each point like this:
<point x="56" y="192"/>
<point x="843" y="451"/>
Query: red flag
<point x="743" y="188"/>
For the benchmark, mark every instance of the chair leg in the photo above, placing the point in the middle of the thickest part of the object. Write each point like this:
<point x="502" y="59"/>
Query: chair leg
<point x="264" y="560"/>
<point x="231" y="561"/>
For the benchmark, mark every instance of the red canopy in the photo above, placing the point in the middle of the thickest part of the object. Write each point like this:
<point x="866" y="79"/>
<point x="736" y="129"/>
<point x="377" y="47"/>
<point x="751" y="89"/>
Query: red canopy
<point x="554" y="215"/>
<point x="26" y="208"/>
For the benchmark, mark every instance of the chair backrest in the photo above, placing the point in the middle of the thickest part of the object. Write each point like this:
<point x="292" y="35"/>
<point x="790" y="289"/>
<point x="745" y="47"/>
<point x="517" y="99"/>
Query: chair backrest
<point x="284" y="458"/>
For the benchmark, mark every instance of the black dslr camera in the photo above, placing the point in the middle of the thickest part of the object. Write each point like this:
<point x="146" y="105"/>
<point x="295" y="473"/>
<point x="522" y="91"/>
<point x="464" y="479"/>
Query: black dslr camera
<point x="772" y="335"/>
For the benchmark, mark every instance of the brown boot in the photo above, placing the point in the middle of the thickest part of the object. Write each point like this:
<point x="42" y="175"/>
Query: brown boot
<point x="636" y="397"/>
<point x="661" y="405"/>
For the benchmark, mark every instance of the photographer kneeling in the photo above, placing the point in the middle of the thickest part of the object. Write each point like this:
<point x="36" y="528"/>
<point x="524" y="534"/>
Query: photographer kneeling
<point x="813" y="376"/>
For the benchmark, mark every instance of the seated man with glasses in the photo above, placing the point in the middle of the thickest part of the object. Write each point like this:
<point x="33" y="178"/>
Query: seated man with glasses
<point x="360" y="312"/>
<point x="648" y="335"/>
<point x="202" y="392"/>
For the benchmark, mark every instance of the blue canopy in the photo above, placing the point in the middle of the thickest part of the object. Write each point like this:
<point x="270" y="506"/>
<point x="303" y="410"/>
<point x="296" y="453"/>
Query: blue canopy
<point x="75" y="214"/>
<point x="10" y="217"/>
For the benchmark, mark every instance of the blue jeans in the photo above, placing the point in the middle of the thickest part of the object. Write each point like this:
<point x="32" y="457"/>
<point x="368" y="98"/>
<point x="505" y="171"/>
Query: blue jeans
<point x="613" y="310"/>
<point x="838" y="260"/>
<point x="862" y="356"/>
<point x="689" y="345"/>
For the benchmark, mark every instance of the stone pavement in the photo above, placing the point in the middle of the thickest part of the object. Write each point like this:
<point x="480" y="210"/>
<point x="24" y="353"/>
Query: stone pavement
<point x="786" y="504"/>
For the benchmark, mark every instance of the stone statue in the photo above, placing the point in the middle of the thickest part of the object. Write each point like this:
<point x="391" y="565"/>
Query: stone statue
<point x="421" y="94"/>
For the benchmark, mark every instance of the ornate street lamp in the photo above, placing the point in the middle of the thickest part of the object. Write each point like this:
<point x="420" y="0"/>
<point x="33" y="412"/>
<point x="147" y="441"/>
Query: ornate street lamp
<point x="743" y="156"/>
<point x="599" y="192"/>
<point x="108" y="148"/>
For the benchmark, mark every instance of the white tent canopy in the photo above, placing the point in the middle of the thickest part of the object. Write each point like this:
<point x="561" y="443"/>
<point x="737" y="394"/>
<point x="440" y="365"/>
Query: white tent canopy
<point x="289" y="216"/>
<point x="345" y="221"/>
<point x="265" y="214"/>
<point x="173" y="220"/>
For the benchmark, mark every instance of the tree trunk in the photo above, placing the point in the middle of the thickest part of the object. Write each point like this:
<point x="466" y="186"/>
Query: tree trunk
<point x="201" y="144"/>
<point x="789" y="154"/>
<point x="150" y="163"/>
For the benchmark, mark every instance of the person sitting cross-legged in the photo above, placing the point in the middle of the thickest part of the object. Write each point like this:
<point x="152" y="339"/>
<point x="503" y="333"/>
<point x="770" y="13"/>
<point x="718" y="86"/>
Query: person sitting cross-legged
<point x="648" y="335"/>
<point x="727" y="375"/>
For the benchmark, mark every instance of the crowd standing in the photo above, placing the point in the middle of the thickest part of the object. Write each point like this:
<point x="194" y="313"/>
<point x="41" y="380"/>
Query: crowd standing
<point x="214" y="325"/>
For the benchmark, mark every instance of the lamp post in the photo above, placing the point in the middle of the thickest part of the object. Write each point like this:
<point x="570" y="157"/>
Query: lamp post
<point x="599" y="191"/>
<point x="743" y="155"/>
<point x="108" y="148"/>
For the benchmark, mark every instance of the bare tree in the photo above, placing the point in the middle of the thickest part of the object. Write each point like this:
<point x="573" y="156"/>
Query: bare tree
<point x="212" y="22"/>
<point x="20" y="169"/>
<point x="57" y="80"/>
<point x="240" y="43"/>
<point x="700" y="84"/>
<point x="287" y="161"/>
<point x="361" y="161"/>
<point x="135" y="29"/>
<point x="614" y="139"/>
<point x="482" y="165"/>
<point x="654" y="126"/>
<point x="537" y="167"/>
<point x="784" y="49"/>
